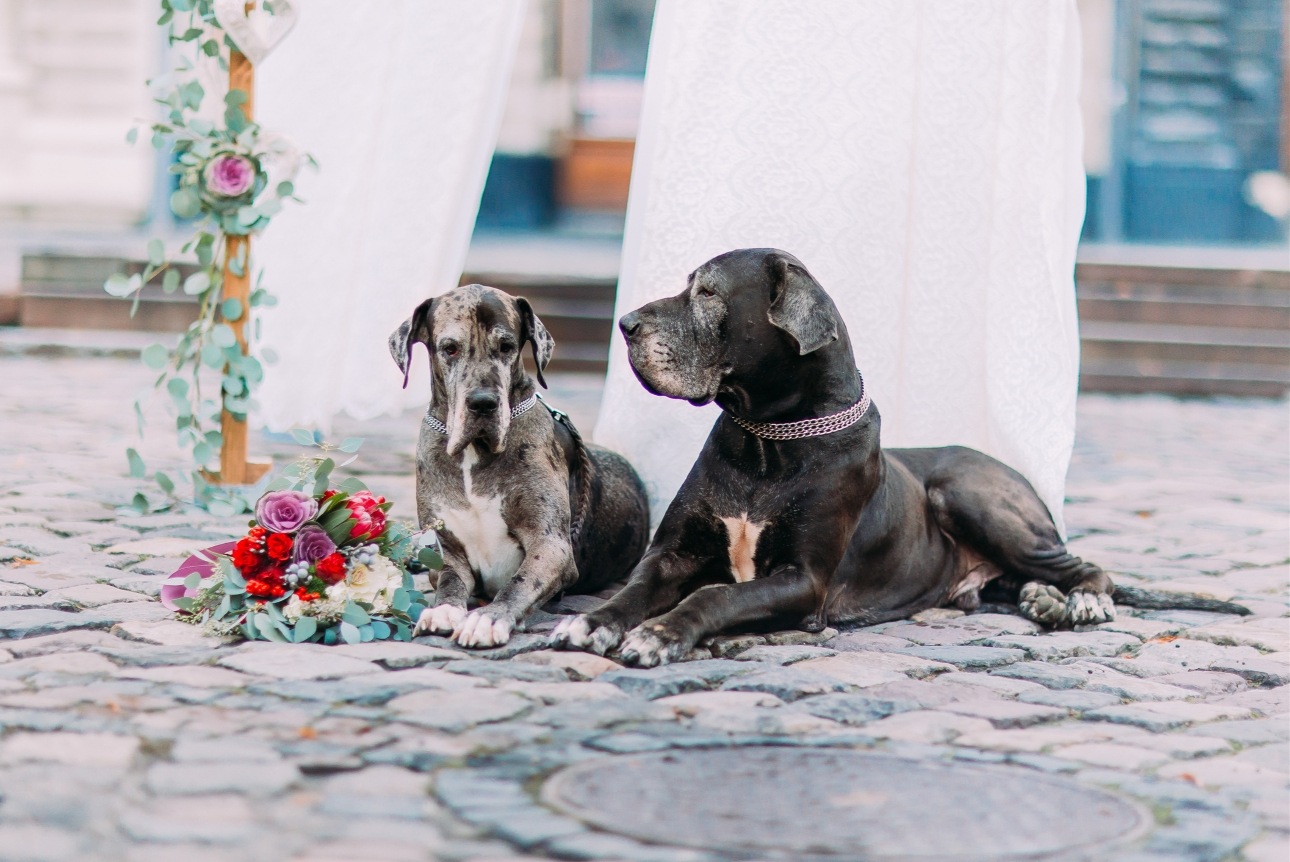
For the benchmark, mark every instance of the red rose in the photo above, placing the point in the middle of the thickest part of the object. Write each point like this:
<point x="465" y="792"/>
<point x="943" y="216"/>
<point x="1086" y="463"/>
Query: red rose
<point x="246" y="556"/>
<point x="257" y="587"/>
<point x="278" y="546"/>
<point x="257" y="533"/>
<point x="331" y="568"/>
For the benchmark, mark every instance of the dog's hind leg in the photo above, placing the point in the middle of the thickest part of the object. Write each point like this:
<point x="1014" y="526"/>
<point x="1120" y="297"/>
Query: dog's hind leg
<point x="992" y="509"/>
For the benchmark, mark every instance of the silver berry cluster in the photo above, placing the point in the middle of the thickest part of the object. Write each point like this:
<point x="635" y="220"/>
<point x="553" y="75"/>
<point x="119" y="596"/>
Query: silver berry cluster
<point x="296" y="574"/>
<point x="364" y="555"/>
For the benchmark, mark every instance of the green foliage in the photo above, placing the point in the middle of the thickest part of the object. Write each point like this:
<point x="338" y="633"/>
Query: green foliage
<point x="209" y="342"/>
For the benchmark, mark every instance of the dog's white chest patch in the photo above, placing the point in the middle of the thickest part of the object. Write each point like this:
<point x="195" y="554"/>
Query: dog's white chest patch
<point x="493" y="553"/>
<point x="743" y="546"/>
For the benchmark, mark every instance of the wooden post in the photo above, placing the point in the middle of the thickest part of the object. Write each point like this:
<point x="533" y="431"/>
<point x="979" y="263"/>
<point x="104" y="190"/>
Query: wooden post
<point x="234" y="468"/>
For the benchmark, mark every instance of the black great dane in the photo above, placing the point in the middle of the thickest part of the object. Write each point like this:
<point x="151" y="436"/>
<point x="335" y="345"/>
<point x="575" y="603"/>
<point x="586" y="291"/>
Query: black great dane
<point x="793" y="515"/>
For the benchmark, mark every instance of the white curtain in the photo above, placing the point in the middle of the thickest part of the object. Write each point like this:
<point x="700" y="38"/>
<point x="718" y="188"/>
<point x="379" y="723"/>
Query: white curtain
<point x="400" y="101"/>
<point x="922" y="158"/>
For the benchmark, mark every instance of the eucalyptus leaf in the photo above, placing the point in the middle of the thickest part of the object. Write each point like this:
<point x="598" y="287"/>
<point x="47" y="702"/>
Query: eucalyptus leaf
<point x="352" y="485"/>
<point x="137" y="468"/>
<point x="303" y="437"/>
<point x="155" y="356"/>
<point x="232" y="577"/>
<point x="351" y="444"/>
<point x="193" y="581"/>
<point x="118" y="285"/>
<point x="184" y="603"/>
<point x="350" y="634"/>
<point x="185" y="203"/>
<point x="231" y="308"/>
<point x="203" y="453"/>
<point x="178" y="387"/>
<point x="170" y="281"/>
<point x="305" y="628"/>
<point x="381" y="629"/>
<point x="167" y="484"/>
<point x="354" y="614"/>
<point x="367" y="634"/>
<point x="222" y="334"/>
<point x="212" y="356"/>
<point x="198" y="282"/>
<point x="205" y="249"/>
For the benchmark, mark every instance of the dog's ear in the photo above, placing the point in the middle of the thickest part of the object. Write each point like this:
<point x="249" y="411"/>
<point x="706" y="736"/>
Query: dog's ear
<point x="415" y="328"/>
<point x="532" y="331"/>
<point x="799" y="305"/>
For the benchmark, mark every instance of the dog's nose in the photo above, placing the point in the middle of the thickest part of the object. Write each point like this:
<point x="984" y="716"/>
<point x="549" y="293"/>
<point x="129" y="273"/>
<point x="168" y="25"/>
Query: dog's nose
<point x="629" y="324"/>
<point x="482" y="401"/>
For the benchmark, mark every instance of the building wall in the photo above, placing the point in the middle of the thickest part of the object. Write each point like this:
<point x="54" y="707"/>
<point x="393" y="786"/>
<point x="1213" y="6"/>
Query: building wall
<point x="71" y="85"/>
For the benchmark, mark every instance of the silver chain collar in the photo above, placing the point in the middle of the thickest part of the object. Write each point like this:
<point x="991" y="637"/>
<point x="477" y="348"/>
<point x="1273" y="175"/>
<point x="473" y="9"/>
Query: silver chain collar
<point x="817" y="427"/>
<point x="518" y="410"/>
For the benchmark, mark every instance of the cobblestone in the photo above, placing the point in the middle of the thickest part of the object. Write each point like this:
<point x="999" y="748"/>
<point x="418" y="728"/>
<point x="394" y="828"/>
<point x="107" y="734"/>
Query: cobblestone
<point x="127" y="735"/>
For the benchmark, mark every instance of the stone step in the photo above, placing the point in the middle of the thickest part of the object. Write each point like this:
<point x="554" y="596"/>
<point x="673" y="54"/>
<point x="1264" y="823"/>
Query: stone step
<point x="1170" y="342"/>
<point x="1183" y="377"/>
<point x="1144" y="328"/>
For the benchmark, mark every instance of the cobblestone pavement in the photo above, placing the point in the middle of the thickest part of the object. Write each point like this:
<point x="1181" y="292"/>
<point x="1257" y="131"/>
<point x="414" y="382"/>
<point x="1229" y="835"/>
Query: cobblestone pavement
<point x="127" y="735"/>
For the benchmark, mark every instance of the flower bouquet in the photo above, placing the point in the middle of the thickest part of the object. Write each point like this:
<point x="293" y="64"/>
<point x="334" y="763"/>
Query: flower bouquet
<point x="325" y="566"/>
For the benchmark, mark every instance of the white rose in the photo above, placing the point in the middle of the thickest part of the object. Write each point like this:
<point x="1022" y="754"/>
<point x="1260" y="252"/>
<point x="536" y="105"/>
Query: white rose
<point x="368" y="583"/>
<point x="294" y="609"/>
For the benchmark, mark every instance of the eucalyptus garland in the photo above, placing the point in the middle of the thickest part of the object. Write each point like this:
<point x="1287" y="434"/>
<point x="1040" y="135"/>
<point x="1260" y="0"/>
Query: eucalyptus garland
<point x="232" y="179"/>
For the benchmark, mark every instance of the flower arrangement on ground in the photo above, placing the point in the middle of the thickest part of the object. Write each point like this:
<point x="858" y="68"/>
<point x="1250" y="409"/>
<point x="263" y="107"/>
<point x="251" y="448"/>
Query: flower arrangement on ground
<point x="320" y="566"/>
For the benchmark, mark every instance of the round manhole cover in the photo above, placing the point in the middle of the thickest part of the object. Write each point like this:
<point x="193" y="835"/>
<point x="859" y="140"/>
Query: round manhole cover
<point x="840" y="804"/>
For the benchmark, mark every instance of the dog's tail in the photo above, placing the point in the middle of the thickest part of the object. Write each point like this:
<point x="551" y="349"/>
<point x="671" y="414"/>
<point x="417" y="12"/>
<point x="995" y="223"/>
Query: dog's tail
<point x="1164" y="601"/>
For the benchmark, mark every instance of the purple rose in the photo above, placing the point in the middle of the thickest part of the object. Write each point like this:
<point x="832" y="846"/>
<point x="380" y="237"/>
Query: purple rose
<point x="285" y="511"/>
<point x="312" y="544"/>
<point x="229" y="176"/>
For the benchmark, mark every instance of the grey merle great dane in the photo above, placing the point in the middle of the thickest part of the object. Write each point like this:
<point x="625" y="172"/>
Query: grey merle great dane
<point x="793" y="514"/>
<point x="529" y="510"/>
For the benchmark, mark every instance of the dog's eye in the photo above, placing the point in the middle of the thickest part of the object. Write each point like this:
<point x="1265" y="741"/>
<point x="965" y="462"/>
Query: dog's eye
<point x="449" y="349"/>
<point x="507" y="347"/>
<point x="703" y="290"/>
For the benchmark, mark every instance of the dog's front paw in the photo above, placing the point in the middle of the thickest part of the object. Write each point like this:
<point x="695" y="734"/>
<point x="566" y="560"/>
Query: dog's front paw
<point x="652" y="644"/>
<point x="1043" y="603"/>
<point x="1085" y="608"/>
<point x="483" y="629"/>
<point x="440" y="619"/>
<point x="582" y="633"/>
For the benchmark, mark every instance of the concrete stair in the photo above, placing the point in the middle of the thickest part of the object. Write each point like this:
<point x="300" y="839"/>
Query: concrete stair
<point x="1186" y="331"/>
<point x="1144" y="328"/>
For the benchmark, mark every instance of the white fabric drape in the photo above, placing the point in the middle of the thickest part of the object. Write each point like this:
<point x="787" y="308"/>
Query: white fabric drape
<point x="399" y="101"/>
<point x="922" y="158"/>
